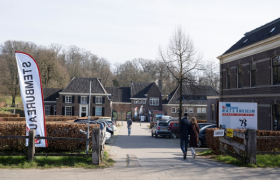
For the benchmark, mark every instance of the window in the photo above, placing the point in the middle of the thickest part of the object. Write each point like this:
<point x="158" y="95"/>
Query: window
<point x="272" y="30"/>
<point x="186" y="110"/>
<point x="47" y="110"/>
<point x="276" y="117"/>
<point x="144" y="101"/>
<point x="68" y="99"/>
<point x="154" y="101"/>
<point x="68" y="110"/>
<point x="198" y="110"/>
<point x="135" y="102"/>
<point x="190" y="110"/>
<point x="245" y="41"/>
<point x="84" y="100"/>
<point x="253" y="73"/>
<point x="173" y="110"/>
<point x="239" y="76"/>
<point x="228" y="79"/>
<point x="203" y="110"/>
<point x="98" y="111"/>
<point x="276" y="69"/>
<point x="98" y="100"/>
<point x="140" y="101"/>
<point x="178" y="110"/>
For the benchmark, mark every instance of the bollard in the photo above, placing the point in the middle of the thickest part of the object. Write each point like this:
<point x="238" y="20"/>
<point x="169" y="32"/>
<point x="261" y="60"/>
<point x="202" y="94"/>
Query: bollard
<point x="31" y="145"/>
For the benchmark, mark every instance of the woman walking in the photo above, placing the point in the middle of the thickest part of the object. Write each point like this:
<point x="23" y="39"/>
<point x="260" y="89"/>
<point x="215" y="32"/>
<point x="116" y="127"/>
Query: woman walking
<point x="194" y="136"/>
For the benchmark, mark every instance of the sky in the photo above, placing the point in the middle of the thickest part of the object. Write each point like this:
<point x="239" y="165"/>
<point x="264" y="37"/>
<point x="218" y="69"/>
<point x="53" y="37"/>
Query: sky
<point x="121" y="30"/>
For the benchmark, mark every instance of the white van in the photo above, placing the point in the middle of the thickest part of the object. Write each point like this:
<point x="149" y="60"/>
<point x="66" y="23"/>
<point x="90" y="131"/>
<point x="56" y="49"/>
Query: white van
<point x="166" y="117"/>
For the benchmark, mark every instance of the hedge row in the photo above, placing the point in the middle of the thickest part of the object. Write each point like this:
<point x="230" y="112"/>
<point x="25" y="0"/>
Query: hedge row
<point x="54" y="129"/>
<point x="8" y="115"/>
<point x="262" y="144"/>
<point x="62" y="118"/>
<point x="201" y="121"/>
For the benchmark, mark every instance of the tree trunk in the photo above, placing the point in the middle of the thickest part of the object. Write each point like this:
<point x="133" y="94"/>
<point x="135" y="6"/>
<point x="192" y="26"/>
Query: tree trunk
<point x="13" y="101"/>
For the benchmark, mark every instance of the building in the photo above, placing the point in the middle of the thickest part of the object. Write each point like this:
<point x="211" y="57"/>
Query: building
<point x="194" y="101"/>
<point x="250" y="72"/>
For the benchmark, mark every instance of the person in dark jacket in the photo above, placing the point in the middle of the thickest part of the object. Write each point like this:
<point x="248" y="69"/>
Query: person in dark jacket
<point x="194" y="136"/>
<point x="129" y="123"/>
<point x="185" y="125"/>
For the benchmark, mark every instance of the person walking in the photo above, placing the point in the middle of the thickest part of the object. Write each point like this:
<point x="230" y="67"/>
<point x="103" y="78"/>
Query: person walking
<point x="194" y="136"/>
<point x="129" y="123"/>
<point x="185" y="125"/>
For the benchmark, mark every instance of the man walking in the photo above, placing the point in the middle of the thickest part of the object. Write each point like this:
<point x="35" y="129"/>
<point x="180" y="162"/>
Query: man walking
<point x="129" y="123"/>
<point x="184" y="132"/>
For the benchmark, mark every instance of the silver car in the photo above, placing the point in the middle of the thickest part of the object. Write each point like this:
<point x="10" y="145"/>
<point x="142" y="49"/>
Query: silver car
<point x="161" y="129"/>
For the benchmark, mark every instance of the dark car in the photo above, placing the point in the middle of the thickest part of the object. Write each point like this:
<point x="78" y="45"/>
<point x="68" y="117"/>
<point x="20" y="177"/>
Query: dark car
<point x="161" y="129"/>
<point x="202" y="134"/>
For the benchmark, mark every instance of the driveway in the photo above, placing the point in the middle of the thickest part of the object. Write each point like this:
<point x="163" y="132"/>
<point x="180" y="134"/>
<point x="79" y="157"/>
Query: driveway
<point x="141" y="156"/>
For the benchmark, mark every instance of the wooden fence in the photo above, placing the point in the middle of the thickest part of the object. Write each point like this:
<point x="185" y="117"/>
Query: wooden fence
<point x="98" y="140"/>
<point x="244" y="152"/>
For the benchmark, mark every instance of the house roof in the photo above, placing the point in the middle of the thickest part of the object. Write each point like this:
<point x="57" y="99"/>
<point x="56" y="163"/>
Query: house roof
<point x="256" y="35"/>
<point x="119" y="94"/>
<point x="50" y="94"/>
<point x="173" y="97"/>
<point x="81" y="85"/>
<point x="139" y="89"/>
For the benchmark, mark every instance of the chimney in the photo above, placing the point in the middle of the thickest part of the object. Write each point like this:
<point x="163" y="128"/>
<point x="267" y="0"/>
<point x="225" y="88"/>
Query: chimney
<point x="160" y="84"/>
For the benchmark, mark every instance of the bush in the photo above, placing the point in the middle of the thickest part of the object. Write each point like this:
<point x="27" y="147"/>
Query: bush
<point x="61" y="118"/>
<point x="54" y="129"/>
<point x="262" y="144"/>
<point x="8" y="115"/>
<point x="201" y="121"/>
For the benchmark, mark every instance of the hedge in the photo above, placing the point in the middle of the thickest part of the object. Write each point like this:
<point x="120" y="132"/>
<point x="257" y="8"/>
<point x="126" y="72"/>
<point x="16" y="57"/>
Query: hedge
<point x="9" y="115"/>
<point x="54" y="129"/>
<point x="262" y="144"/>
<point x="62" y="118"/>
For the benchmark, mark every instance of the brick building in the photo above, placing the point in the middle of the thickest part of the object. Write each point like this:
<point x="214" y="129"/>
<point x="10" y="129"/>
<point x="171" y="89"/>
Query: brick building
<point x="194" y="101"/>
<point x="250" y="72"/>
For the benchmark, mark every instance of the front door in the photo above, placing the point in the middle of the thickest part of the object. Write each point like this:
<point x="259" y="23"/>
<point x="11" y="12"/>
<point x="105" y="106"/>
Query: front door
<point x="83" y="111"/>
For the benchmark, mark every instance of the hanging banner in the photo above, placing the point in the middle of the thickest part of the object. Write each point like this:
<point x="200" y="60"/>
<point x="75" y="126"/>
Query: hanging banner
<point x="32" y="97"/>
<point x="238" y="115"/>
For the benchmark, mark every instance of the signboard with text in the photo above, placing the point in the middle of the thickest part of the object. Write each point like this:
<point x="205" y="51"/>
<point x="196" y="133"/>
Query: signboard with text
<point x="237" y="115"/>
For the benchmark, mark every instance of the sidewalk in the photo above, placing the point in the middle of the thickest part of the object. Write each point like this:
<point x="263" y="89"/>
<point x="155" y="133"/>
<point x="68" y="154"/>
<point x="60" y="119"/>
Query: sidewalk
<point x="141" y="156"/>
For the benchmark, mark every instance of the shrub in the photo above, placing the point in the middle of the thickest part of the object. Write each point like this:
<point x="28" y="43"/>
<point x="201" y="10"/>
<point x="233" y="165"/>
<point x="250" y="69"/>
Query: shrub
<point x="54" y="129"/>
<point x="8" y="115"/>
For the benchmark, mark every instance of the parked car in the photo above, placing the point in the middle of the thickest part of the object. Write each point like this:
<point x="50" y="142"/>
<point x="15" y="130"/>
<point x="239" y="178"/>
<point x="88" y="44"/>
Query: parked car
<point x="108" y="136"/>
<point x="174" y="127"/>
<point x="109" y="122"/>
<point x="201" y="125"/>
<point x="161" y="129"/>
<point x="166" y="117"/>
<point x="202" y="134"/>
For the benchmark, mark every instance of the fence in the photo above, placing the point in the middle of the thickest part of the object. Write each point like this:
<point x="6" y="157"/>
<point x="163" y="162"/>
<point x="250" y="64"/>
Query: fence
<point x="244" y="152"/>
<point x="98" y="140"/>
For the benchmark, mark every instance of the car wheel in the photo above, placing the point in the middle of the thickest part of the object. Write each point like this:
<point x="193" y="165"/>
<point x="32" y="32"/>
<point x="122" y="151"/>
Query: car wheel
<point x="199" y="144"/>
<point x="156" y="135"/>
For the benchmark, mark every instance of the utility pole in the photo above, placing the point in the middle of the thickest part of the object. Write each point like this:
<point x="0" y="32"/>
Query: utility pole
<point x="87" y="144"/>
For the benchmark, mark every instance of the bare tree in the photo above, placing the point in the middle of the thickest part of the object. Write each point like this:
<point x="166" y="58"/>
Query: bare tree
<point x="180" y="59"/>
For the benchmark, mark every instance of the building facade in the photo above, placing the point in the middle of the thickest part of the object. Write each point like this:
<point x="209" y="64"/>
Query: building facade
<point x="194" y="101"/>
<point x="250" y="72"/>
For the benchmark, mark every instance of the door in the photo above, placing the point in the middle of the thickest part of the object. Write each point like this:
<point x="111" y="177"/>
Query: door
<point x="83" y="111"/>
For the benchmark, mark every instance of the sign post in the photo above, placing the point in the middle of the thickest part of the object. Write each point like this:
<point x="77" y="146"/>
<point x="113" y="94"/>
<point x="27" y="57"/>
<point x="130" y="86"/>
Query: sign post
<point x="237" y="115"/>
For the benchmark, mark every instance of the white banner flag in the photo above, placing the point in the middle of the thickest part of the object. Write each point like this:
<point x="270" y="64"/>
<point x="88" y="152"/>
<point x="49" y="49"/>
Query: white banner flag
<point x="32" y="97"/>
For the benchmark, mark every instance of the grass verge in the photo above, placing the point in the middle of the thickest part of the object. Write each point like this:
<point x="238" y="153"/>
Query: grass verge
<point x="263" y="161"/>
<point x="53" y="162"/>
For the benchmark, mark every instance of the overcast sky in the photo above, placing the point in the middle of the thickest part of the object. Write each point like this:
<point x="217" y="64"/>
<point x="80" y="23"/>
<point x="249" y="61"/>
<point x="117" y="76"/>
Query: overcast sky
<point x="121" y="30"/>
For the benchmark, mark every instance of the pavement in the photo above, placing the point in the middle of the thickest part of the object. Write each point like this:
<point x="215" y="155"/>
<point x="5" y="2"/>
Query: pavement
<point x="140" y="156"/>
